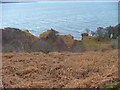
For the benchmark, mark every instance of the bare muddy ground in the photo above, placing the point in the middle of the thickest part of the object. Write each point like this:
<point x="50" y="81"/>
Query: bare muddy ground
<point x="60" y="70"/>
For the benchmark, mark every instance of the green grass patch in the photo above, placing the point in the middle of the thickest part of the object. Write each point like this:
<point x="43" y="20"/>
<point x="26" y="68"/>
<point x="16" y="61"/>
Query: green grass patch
<point x="92" y="45"/>
<point x="112" y="86"/>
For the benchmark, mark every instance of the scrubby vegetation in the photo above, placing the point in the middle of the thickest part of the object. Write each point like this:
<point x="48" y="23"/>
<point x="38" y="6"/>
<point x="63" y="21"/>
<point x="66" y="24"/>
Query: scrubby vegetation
<point x="114" y="43"/>
<point x="106" y="33"/>
<point x="91" y="45"/>
<point x="109" y="35"/>
<point x="15" y="40"/>
<point x="47" y="66"/>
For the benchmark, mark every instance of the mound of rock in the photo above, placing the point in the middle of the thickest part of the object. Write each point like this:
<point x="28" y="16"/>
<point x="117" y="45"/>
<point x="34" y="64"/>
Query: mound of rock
<point x="16" y="40"/>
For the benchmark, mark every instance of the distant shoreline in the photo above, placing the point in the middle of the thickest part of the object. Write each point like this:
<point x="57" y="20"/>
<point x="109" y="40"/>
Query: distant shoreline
<point x="18" y="2"/>
<point x="60" y="1"/>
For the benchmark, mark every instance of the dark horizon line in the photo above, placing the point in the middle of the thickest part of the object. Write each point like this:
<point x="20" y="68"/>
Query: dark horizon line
<point x="58" y="1"/>
<point x="61" y="0"/>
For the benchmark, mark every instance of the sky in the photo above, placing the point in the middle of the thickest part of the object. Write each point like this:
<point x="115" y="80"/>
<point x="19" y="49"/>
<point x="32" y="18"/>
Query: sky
<point x="50" y="0"/>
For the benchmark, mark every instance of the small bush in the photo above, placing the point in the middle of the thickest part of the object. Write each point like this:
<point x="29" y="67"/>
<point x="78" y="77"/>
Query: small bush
<point x="92" y="45"/>
<point x="114" y="43"/>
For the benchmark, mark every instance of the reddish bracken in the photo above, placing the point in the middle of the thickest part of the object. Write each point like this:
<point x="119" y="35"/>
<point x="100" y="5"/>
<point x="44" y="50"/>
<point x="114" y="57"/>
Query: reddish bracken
<point x="60" y="70"/>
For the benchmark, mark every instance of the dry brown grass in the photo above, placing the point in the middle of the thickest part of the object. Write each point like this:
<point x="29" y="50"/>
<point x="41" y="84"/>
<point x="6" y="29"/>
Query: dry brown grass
<point x="60" y="70"/>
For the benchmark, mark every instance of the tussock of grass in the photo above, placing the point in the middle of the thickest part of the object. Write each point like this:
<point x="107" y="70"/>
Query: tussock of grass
<point x="112" y="86"/>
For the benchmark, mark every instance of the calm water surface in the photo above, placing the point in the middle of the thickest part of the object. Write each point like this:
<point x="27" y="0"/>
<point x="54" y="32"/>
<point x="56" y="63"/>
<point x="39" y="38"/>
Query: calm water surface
<point x="66" y="17"/>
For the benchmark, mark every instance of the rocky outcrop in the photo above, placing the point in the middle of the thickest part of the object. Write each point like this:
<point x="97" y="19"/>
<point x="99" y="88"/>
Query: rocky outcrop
<point x="51" y="37"/>
<point x="15" y="40"/>
<point x="85" y="36"/>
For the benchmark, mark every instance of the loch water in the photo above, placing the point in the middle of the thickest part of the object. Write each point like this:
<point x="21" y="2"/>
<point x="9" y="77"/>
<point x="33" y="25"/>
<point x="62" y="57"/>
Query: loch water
<point x="65" y="17"/>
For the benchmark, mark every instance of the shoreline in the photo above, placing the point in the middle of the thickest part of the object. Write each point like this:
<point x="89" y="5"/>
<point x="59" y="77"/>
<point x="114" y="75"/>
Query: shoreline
<point x="64" y="1"/>
<point x="16" y="40"/>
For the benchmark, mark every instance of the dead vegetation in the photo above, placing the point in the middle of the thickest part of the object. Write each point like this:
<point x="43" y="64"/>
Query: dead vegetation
<point x="60" y="70"/>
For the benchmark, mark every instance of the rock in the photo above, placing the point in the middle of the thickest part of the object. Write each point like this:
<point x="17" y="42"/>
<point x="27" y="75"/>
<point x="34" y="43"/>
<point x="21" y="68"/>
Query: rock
<point x="15" y="40"/>
<point x="85" y="36"/>
<point x="52" y="38"/>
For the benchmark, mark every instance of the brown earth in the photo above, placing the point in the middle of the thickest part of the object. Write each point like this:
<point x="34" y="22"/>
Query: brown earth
<point x="60" y="70"/>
